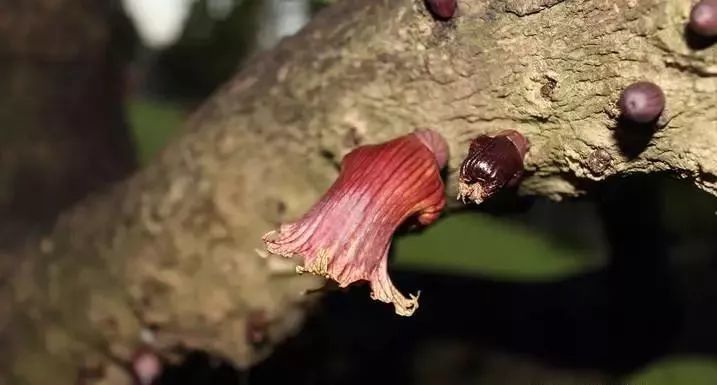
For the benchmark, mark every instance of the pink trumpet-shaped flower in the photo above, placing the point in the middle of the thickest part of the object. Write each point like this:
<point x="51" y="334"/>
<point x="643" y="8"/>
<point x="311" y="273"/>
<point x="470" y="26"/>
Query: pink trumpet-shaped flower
<point x="346" y="235"/>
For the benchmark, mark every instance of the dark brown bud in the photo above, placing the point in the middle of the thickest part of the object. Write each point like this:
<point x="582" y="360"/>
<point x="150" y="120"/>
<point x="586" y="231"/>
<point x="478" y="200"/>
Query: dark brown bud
<point x="493" y="162"/>
<point x="442" y="9"/>
<point x="642" y="102"/>
<point x="703" y="18"/>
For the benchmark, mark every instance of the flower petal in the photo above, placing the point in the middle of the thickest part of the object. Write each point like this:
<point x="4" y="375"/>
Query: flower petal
<point x="346" y="235"/>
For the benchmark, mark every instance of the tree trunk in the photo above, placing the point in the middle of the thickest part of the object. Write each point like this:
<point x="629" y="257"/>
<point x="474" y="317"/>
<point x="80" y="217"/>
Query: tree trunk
<point x="171" y="251"/>
<point x="63" y="131"/>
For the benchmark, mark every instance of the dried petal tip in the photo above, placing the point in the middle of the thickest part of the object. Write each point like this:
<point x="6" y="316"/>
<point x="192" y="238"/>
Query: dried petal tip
<point x="493" y="162"/>
<point x="346" y="235"/>
<point x="642" y="102"/>
<point x="703" y="18"/>
<point x="442" y="9"/>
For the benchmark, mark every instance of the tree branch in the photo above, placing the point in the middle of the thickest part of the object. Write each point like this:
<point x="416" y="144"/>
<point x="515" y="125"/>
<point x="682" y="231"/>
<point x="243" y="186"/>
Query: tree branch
<point x="172" y="250"/>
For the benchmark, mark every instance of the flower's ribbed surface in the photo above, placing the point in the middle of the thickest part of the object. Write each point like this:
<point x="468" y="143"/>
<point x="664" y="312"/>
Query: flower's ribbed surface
<point x="346" y="235"/>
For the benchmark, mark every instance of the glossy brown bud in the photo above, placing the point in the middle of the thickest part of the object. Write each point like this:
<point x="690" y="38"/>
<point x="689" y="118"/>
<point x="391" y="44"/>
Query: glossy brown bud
<point x="642" y="102"/>
<point x="493" y="162"/>
<point x="442" y="9"/>
<point x="703" y="18"/>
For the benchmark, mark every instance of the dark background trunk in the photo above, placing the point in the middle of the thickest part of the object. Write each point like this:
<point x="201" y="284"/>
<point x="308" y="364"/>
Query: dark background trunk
<point x="63" y="133"/>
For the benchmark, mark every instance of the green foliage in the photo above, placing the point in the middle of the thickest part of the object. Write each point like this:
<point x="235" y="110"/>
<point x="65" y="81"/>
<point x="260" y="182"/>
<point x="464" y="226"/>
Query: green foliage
<point x="688" y="211"/>
<point x="317" y="5"/>
<point x="209" y="51"/>
<point x="478" y="244"/>
<point x="152" y="124"/>
<point x="693" y="370"/>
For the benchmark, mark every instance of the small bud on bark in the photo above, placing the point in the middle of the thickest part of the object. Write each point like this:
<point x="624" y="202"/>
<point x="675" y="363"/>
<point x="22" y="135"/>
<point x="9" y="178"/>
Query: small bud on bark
<point x="442" y="9"/>
<point x="703" y="18"/>
<point x="146" y="367"/>
<point x="642" y="102"/>
<point x="493" y="162"/>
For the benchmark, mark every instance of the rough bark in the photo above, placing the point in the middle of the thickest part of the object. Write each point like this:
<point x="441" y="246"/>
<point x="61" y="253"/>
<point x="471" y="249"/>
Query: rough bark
<point x="171" y="251"/>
